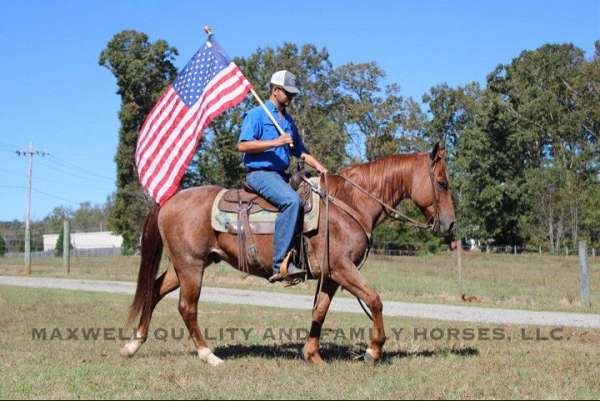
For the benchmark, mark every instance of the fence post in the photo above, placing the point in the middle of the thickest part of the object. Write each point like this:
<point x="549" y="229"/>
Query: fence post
<point x="540" y="250"/>
<point x="67" y="246"/>
<point x="567" y="251"/>
<point x="515" y="250"/>
<point x="585" y="275"/>
<point x="459" y="263"/>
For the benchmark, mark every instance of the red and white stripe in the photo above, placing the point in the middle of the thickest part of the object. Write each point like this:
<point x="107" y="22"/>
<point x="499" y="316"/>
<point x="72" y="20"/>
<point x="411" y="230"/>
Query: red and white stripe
<point x="172" y="131"/>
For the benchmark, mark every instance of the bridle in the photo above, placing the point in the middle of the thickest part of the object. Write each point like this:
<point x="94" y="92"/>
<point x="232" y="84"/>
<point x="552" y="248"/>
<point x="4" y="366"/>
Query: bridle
<point x="390" y="211"/>
<point x="395" y="214"/>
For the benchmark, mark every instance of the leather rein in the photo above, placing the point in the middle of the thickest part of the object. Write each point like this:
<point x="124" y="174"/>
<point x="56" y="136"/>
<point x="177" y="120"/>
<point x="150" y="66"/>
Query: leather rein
<point x="389" y="210"/>
<point x="396" y="214"/>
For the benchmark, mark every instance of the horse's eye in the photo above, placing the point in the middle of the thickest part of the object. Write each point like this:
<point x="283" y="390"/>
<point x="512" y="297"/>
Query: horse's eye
<point x="444" y="184"/>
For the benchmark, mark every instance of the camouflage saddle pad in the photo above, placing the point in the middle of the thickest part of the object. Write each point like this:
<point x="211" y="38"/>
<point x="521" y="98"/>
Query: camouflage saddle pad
<point x="263" y="221"/>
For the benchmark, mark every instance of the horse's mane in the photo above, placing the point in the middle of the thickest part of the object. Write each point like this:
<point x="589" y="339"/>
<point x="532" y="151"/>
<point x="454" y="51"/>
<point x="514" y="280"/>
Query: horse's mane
<point x="382" y="177"/>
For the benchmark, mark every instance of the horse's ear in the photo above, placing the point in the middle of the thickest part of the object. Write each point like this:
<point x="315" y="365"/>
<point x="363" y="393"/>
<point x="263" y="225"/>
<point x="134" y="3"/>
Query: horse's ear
<point x="434" y="153"/>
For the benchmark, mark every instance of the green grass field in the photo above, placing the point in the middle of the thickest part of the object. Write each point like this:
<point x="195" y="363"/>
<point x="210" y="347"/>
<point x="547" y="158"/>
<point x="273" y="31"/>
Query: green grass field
<point x="260" y="366"/>
<point x="507" y="281"/>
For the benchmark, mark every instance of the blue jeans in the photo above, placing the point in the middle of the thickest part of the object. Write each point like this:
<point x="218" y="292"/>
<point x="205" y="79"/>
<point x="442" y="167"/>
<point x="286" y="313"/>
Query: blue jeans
<point x="273" y="187"/>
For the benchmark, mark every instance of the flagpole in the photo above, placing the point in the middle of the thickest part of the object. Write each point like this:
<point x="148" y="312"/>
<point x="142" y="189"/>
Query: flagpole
<point x="268" y="113"/>
<point x="209" y="32"/>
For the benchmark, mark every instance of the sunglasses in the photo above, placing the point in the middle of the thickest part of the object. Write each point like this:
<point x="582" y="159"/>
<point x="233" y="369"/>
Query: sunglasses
<point x="288" y="94"/>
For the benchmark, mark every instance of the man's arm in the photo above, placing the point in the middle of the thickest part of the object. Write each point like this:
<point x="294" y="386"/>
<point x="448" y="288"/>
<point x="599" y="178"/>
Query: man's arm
<point x="314" y="163"/>
<point x="260" y="146"/>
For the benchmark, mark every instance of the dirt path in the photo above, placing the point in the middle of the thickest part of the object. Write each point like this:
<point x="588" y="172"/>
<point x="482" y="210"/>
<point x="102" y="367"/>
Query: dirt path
<point x="340" y="304"/>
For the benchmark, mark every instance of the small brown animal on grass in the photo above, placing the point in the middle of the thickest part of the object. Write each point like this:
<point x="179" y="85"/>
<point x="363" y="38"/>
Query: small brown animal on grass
<point x="470" y="298"/>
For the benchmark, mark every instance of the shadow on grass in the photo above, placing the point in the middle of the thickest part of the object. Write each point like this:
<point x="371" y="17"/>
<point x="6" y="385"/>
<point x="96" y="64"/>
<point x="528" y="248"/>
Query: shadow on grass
<point x="332" y="352"/>
<point x="329" y="351"/>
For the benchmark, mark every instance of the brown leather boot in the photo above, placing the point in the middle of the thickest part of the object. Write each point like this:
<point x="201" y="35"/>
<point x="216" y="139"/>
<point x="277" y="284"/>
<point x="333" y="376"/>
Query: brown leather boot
<point x="287" y="271"/>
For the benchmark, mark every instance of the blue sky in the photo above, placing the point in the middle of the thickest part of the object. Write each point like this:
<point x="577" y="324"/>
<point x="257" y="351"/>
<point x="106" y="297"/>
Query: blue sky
<point x="57" y="97"/>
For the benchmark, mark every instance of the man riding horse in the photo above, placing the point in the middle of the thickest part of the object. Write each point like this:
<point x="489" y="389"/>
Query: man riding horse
<point x="267" y="157"/>
<point x="360" y="197"/>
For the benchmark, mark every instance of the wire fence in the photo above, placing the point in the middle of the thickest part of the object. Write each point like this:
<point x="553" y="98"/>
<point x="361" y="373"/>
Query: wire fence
<point x="389" y="249"/>
<point x="74" y="252"/>
<point x="83" y="243"/>
<point x="14" y="247"/>
<point x="532" y="249"/>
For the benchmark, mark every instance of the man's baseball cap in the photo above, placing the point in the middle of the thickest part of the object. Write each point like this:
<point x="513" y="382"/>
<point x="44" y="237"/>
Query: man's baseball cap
<point x="286" y="80"/>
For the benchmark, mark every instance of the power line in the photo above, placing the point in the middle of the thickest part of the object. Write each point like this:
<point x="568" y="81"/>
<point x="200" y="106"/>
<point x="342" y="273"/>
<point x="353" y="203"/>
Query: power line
<point x="58" y="161"/>
<point x="69" y="171"/>
<point x="56" y="197"/>
<point x="64" y="172"/>
<point x="40" y="179"/>
<point x="42" y="193"/>
<point x="79" y="168"/>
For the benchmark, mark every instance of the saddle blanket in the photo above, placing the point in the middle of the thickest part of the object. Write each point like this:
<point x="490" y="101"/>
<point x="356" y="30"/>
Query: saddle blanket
<point x="263" y="222"/>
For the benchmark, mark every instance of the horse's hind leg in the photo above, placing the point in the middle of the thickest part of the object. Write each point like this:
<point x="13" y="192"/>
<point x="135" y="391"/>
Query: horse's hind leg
<point x="311" y="349"/>
<point x="163" y="285"/>
<point x="190" y="277"/>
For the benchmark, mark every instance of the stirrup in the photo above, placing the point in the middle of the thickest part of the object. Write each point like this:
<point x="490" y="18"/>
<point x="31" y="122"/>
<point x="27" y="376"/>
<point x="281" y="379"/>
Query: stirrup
<point x="288" y="271"/>
<point x="292" y="274"/>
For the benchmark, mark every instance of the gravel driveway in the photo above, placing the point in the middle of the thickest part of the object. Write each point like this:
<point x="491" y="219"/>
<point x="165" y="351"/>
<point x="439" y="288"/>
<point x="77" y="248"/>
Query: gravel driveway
<point x="340" y="304"/>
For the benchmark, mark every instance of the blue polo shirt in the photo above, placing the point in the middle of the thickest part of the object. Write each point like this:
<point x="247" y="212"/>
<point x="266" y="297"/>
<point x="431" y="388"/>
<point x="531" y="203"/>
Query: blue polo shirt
<point x="258" y="126"/>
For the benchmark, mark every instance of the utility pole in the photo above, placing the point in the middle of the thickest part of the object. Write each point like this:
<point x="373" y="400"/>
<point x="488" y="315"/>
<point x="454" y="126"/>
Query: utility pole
<point x="30" y="152"/>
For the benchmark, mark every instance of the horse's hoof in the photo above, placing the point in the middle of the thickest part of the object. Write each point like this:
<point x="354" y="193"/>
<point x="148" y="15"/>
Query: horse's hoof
<point x="313" y="358"/>
<point x="370" y="359"/>
<point x="129" y="349"/>
<point x="207" y="356"/>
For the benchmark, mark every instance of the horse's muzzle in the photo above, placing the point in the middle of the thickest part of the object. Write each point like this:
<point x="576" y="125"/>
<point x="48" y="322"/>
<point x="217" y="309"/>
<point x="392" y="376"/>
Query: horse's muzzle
<point x="446" y="226"/>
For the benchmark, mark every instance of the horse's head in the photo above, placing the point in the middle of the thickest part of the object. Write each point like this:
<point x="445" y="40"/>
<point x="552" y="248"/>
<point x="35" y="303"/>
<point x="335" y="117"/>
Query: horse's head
<point x="431" y="190"/>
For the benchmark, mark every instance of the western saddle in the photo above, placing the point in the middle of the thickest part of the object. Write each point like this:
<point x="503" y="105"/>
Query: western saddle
<point x="245" y="202"/>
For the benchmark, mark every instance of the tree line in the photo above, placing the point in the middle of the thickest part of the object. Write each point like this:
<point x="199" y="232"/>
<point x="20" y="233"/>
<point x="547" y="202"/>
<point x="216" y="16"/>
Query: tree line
<point x="522" y="147"/>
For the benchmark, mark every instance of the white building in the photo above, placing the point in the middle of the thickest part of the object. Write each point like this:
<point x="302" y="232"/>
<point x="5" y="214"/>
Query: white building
<point x="97" y="240"/>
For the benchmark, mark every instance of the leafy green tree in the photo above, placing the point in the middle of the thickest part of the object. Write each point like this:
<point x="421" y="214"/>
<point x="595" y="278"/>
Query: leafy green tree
<point x="533" y="126"/>
<point x="87" y="217"/>
<point x="492" y="175"/>
<point x="451" y="111"/>
<point x="381" y="119"/>
<point x="2" y="246"/>
<point x="540" y="89"/>
<point x="143" y="70"/>
<point x="591" y="213"/>
<point x="54" y="221"/>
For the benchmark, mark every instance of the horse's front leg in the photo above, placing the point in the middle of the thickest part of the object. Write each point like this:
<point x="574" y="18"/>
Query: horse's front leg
<point x="311" y="349"/>
<point x="347" y="275"/>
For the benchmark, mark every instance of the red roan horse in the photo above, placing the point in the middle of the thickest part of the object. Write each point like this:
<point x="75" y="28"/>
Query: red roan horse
<point x="183" y="227"/>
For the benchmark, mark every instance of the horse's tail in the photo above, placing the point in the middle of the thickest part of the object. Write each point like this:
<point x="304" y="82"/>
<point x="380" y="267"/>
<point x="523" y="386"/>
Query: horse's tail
<point x="152" y="247"/>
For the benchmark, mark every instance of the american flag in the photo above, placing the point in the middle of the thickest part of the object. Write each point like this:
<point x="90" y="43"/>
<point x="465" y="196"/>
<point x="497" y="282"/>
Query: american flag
<point x="208" y="85"/>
